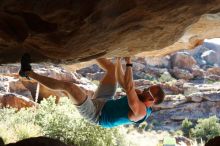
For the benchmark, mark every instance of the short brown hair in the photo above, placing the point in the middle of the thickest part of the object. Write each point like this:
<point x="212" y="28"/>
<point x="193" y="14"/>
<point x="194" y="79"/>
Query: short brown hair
<point x="157" y="93"/>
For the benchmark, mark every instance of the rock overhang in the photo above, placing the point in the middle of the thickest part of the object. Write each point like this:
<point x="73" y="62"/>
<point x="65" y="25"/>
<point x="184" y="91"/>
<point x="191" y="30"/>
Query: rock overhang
<point x="70" y="31"/>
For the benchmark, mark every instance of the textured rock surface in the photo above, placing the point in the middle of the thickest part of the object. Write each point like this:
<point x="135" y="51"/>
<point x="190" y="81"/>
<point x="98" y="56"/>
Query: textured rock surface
<point x="182" y="60"/>
<point x="73" y="31"/>
<point x="15" y="101"/>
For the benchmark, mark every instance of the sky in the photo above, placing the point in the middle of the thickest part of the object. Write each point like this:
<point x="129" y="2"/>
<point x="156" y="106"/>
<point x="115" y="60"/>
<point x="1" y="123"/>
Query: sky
<point x="214" y="40"/>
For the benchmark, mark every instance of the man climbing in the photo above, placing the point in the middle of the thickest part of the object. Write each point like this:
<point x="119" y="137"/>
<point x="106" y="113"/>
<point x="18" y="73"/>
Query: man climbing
<point x="102" y="109"/>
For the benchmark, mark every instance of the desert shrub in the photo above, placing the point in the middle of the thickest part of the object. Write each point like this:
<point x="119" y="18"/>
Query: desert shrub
<point x="149" y="77"/>
<point x="165" y="77"/>
<point x="64" y="122"/>
<point x="16" y="125"/>
<point x="206" y="128"/>
<point x="60" y="121"/>
<point x="187" y="125"/>
<point x="178" y="133"/>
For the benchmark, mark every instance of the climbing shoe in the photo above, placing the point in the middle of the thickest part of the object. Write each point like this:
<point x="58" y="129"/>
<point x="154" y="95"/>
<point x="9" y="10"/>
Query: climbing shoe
<point x="25" y="65"/>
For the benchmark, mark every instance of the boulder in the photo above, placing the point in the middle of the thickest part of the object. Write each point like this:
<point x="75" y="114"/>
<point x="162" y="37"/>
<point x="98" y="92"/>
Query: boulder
<point x="18" y="88"/>
<point x="181" y="140"/>
<point x="154" y="71"/>
<point x="190" y="88"/>
<point x="138" y="67"/>
<point x="3" y="87"/>
<point x="213" y="44"/>
<point x="213" y="78"/>
<point x="58" y="73"/>
<point x="95" y="76"/>
<point x="195" y="97"/>
<point x="143" y="75"/>
<point x="9" y="69"/>
<point x="171" y="89"/>
<point x="214" y="71"/>
<point x="159" y="62"/>
<point x="198" y="73"/>
<point x="213" y="96"/>
<point x="141" y="60"/>
<point x="181" y="74"/>
<point x="177" y="97"/>
<point x="197" y="53"/>
<point x="91" y="69"/>
<point x="203" y="110"/>
<point x="210" y="57"/>
<point x="142" y="83"/>
<point x="16" y="101"/>
<point x="170" y="102"/>
<point x="182" y="60"/>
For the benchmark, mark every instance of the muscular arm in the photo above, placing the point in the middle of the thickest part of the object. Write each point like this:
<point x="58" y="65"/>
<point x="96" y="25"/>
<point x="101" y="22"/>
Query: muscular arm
<point x="119" y="72"/>
<point x="128" y="78"/>
<point x="137" y="107"/>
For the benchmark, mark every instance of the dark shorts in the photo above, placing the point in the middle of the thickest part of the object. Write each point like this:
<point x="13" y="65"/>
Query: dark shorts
<point x="91" y="108"/>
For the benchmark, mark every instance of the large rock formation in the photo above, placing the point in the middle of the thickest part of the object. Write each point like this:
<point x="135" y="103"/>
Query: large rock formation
<point x="67" y="31"/>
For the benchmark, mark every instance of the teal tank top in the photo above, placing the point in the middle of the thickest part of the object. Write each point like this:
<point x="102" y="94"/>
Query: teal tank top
<point x="115" y="113"/>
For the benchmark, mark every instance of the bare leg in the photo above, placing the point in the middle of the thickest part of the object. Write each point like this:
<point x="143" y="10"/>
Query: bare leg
<point x="109" y="67"/>
<point x="76" y="94"/>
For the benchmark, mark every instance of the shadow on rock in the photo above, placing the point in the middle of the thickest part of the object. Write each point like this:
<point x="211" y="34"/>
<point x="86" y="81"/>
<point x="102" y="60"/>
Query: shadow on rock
<point x="214" y="141"/>
<point x="36" y="141"/>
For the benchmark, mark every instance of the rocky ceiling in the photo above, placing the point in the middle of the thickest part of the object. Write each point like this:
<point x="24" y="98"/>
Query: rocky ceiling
<point x="69" y="31"/>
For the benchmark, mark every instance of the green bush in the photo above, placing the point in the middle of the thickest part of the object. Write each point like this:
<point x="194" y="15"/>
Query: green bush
<point x="186" y="127"/>
<point x="64" y="122"/>
<point x="206" y="128"/>
<point x="60" y="121"/>
<point x="16" y="126"/>
<point x="149" y="77"/>
<point x="165" y="77"/>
